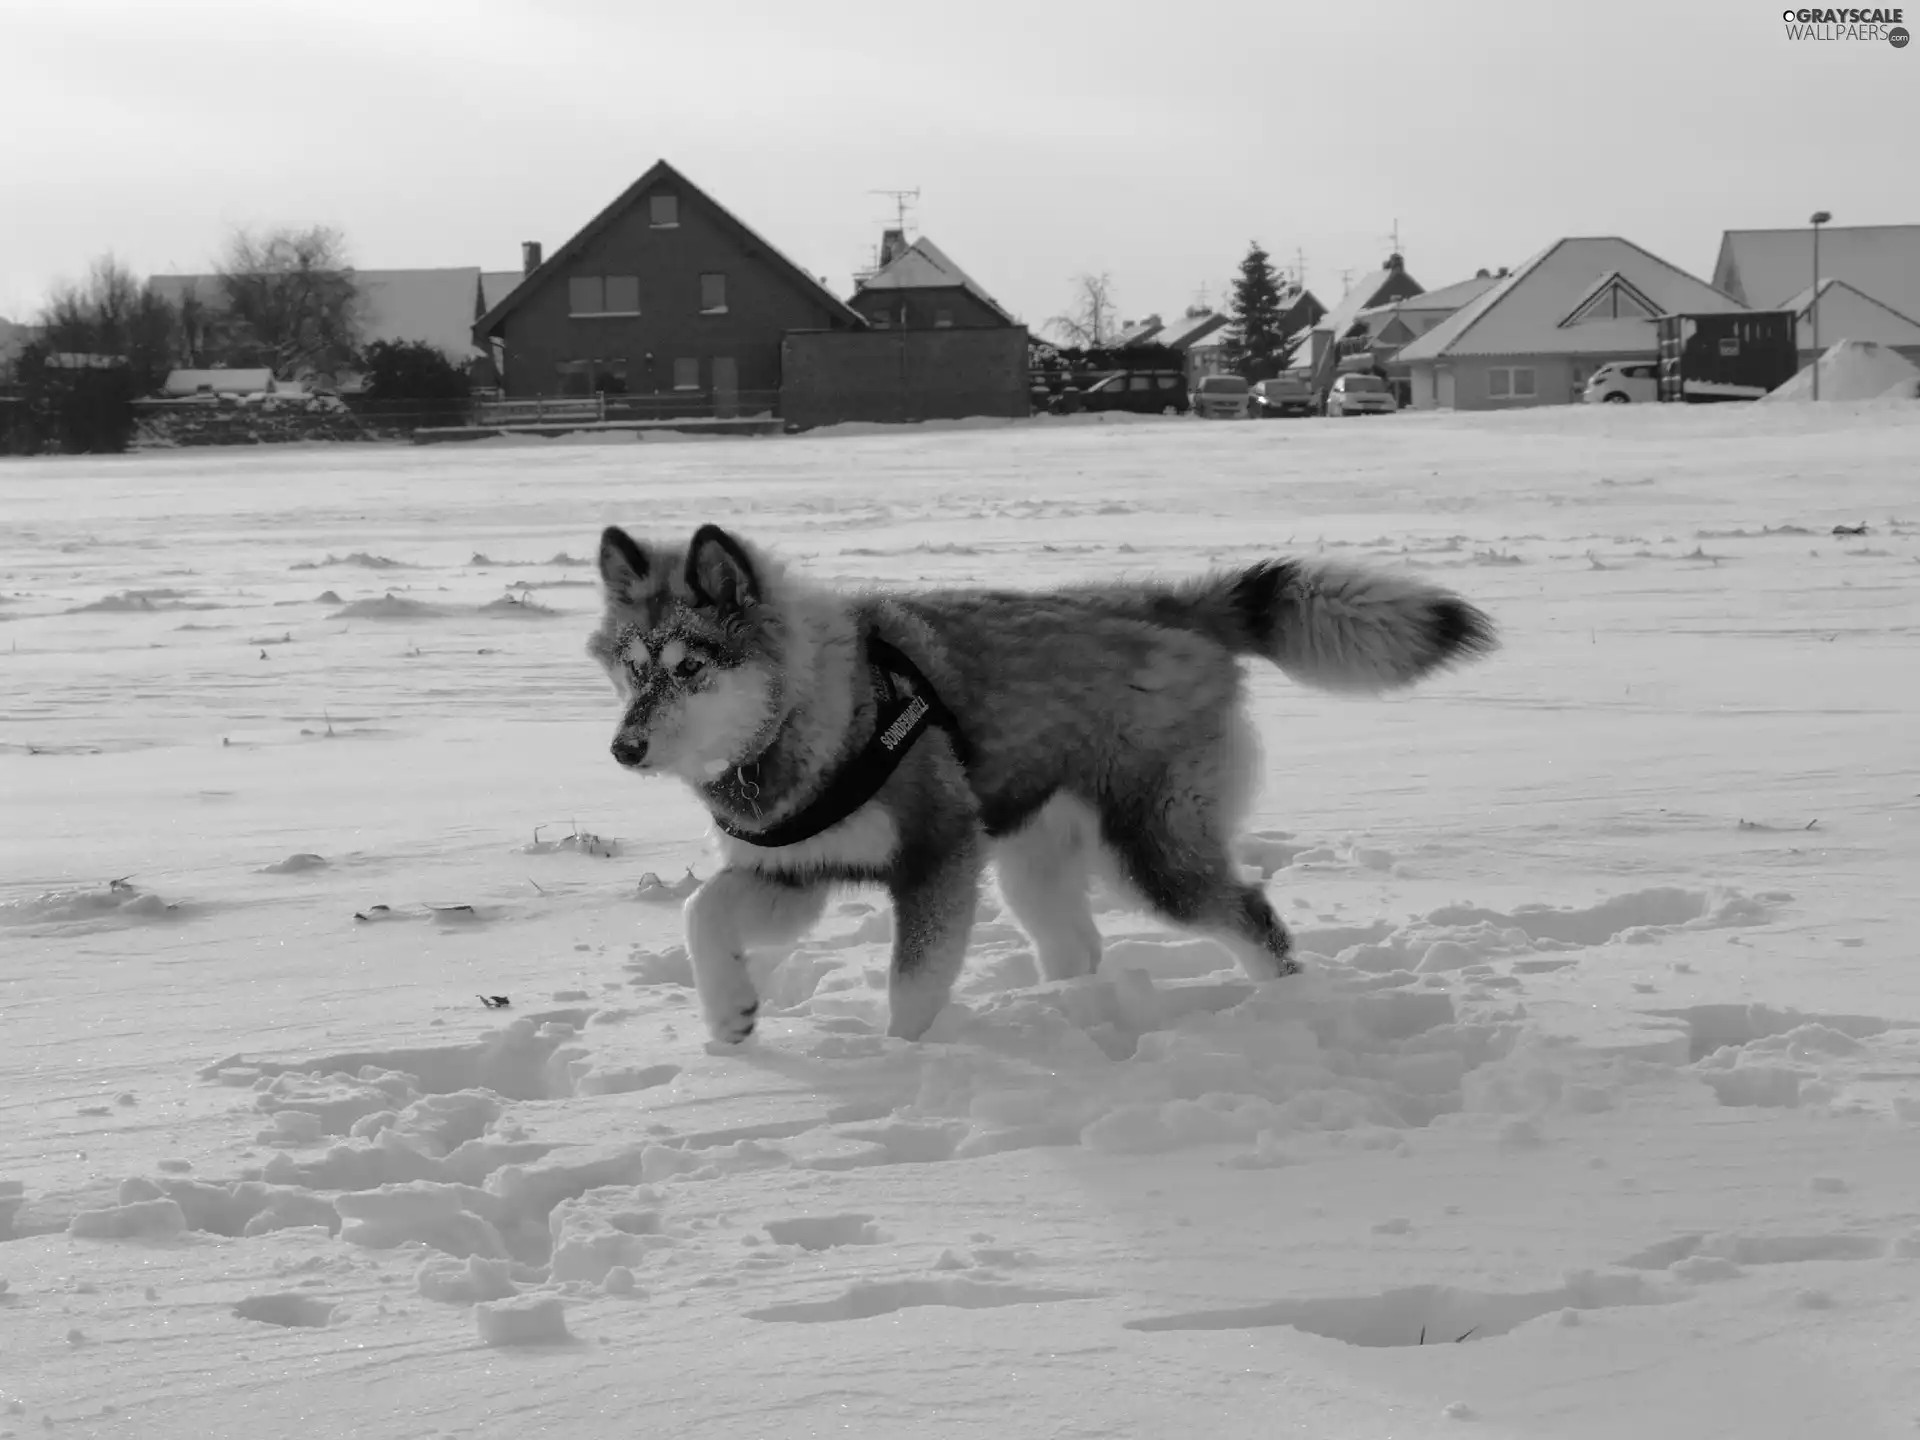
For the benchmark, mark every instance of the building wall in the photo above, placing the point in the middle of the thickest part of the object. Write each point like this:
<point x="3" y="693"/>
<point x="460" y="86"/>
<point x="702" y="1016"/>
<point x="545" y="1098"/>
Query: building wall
<point x="904" y="375"/>
<point x="920" y="309"/>
<point x="1465" y="382"/>
<point x="763" y="303"/>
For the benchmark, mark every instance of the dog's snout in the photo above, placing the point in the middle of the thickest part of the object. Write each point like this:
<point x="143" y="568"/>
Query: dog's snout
<point x="629" y="752"/>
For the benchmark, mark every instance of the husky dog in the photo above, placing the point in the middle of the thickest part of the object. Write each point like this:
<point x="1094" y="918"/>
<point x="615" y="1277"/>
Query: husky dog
<point x="905" y="739"/>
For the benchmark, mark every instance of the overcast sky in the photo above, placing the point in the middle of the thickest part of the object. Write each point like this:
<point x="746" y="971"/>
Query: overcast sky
<point x="1047" y="137"/>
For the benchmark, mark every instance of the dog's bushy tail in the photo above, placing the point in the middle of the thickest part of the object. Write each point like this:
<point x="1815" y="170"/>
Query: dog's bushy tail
<point x="1331" y="625"/>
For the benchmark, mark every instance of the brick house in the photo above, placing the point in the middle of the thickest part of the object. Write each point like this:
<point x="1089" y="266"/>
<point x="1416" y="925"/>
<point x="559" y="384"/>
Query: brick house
<point x="917" y="287"/>
<point x="664" y="296"/>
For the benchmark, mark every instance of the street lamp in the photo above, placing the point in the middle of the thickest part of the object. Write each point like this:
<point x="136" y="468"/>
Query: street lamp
<point x="1820" y="217"/>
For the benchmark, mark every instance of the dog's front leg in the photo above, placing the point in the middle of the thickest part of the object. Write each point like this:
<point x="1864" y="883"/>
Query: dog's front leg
<point x="932" y="922"/>
<point x="733" y="910"/>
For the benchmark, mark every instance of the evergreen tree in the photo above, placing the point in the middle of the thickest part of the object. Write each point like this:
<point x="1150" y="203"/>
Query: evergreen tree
<point x="1263" y="343"/>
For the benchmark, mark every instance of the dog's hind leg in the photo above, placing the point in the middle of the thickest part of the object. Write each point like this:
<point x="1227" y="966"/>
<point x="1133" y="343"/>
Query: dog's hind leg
<point x="1171" y="836"/>
<point x="932" y="922"/>
<point x="737" y="909"/>
<point x="1044" y="873"/>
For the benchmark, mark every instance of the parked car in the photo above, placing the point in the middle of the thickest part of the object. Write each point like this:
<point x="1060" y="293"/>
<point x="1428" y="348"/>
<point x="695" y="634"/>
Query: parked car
<point x="1361" y="394"/>
<point x="1623" y="381"/>
<point x="1219" y="397"/>
<point x="1142" y="392"/>
<point x="1284" y="395"/>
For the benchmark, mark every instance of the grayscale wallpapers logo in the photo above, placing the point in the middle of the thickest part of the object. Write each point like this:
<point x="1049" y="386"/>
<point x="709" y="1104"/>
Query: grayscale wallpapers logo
<point x="1822" y="24"/>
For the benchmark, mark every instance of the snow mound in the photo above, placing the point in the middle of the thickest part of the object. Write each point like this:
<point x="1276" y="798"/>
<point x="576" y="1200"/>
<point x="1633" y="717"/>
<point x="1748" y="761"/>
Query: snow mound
<point x="1854" y="370"/>
<point x="114" y="901"/>
<point x="387" y="607"/>
<point x="358" y="558"/>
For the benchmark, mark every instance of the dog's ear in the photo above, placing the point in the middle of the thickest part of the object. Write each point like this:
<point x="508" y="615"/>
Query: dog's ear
<point x="623" y="566"/>
<point x="719" y="572"/>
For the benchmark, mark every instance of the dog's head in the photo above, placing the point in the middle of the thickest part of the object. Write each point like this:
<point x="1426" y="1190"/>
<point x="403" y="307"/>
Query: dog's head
<point x="691" y="643"/>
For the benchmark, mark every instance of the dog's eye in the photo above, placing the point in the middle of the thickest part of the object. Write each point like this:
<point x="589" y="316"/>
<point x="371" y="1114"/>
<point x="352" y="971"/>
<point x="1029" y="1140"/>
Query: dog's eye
<point x="689" y="667"/>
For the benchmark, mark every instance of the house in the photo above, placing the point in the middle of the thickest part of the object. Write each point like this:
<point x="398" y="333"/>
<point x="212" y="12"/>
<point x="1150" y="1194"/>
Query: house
<point x="1765" y="269"/>
<point x="1141" y="332"/>
<point x="664" y="293"/>
<point x="1378" y="287"/>
<point x="1535" y="337"/>
<point x="1204" y="335"/>
<point x="435" y="306"/>
<point x="1847" y="313"/>
<point x="917" y="287"/>
<point x="1374" y="339"/>
<point x="182" y="383"/>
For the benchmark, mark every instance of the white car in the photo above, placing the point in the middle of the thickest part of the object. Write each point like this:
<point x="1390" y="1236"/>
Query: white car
<point x="1623" y="381"/>
<point x="1359" y="394"/>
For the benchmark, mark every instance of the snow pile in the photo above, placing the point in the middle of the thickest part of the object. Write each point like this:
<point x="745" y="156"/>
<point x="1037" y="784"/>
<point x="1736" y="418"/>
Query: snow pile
<point x="1854" y="370"/>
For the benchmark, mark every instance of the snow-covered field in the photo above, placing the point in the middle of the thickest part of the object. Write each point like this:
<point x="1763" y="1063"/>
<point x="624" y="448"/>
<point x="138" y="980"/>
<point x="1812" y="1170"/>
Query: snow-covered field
<point x="1597" y="1113"/>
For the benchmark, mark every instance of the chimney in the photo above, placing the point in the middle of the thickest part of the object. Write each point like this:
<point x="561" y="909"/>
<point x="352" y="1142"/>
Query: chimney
<point x="893" y="244"/>
<point x="1394" y="262"/>
<point x="1483" y="273"/>
<point x="1503" y="273"/>
<point x="529" y="256"/>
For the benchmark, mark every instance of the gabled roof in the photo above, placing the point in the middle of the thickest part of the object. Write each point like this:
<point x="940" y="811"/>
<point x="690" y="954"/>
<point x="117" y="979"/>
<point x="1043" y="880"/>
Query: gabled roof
<point x="1765" y="268"/>
<point x="1524" y="314"/>
<point x="660" y="170"/>
<point x="1363" y="296"/>
<point x="925" y="266"/>
<point x="396" y="305"/>
<point x="1848" y="313"/>
<point x="1422" y="312"/>
<point x="1189" y="330"/>
<point x="1611" y="297"/>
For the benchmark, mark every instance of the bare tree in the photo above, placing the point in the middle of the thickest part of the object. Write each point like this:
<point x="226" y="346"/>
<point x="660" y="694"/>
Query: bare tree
<point x="291" y="301"/>
<point x="113" y="314"/>
<point x="1094" y="317"/>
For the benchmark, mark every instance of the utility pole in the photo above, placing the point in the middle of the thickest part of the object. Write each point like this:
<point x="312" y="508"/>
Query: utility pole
<point x="1820" y="217"/>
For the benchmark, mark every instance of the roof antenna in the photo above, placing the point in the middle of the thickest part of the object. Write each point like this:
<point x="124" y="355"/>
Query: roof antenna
<point x="900" y="199"/>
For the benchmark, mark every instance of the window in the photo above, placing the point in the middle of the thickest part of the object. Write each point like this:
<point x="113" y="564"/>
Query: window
<point x="943" y="319"/>
<point x="663" y="211"/>
<point x="610" y="377"/>
<point x="603" y="295"/>
<point x="686" y="374"/>
<point x="1612" y="297"/>
<point x="713" y="294"/>
<point x="1510" y="383"/>
<point x="1140" y="382"/>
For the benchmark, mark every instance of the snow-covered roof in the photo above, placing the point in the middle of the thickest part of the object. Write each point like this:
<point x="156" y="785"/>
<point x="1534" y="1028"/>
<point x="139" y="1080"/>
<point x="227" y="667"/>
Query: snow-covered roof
<point x="1364" y="295"/>
<point x="1190" y="330"/>
<point x="1765" y="268"/>
<point x="218" y="382"/>
<point x="396" y="305"/>
<point x="1141" y="331"/>
<point x="1848" y="313"/>
<point x="1420" y="313"/>
<point x="925" y="266"/>
<point x="1551" y="304"/>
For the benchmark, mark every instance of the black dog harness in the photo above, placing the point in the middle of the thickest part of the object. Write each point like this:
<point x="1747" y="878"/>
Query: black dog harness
<point x="904" y="715"/>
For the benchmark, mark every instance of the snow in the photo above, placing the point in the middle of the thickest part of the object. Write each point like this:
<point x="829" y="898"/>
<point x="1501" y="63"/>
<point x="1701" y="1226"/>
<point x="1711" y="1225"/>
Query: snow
<point x="1594" y="1113"/>
<point x="1854" y="370"/>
